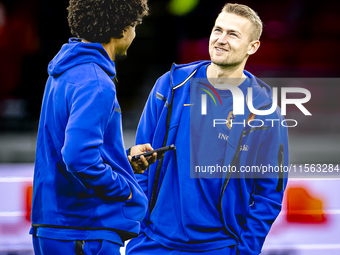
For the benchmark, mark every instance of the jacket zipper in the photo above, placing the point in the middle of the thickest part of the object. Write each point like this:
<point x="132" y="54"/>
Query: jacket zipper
<point x="154" y="194"/>
<point x="227" y="179"/>
<point x="160" y="163"/>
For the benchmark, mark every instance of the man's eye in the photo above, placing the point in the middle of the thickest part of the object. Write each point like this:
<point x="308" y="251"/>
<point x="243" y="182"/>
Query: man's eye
<point x="217" y="30"/>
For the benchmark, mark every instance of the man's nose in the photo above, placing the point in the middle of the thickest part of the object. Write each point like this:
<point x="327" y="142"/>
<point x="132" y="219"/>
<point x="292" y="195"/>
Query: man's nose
<point x="223" y="39"/>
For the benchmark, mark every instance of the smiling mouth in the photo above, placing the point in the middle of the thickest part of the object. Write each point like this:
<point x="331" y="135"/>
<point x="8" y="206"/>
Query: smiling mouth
<point x="220" y="49"/>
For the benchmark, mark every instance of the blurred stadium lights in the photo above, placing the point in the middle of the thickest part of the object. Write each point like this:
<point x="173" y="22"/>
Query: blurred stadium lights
<point x="182" y="7"/>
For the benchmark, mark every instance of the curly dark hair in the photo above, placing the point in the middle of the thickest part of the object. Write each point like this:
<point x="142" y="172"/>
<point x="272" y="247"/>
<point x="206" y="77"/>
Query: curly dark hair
<point x="101" y="20"/>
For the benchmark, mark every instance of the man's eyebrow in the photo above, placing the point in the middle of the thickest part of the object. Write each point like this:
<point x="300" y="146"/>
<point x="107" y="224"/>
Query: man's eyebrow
<point x="229" y="30"/>
<point x="234" y="31"/>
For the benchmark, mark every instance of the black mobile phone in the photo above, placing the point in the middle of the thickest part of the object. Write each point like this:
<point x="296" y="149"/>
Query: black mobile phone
<point x="159" y="151"/>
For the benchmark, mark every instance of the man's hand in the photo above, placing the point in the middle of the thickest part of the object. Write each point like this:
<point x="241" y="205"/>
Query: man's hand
<point x="141" y="165"/>
<point x="129" y="196"/>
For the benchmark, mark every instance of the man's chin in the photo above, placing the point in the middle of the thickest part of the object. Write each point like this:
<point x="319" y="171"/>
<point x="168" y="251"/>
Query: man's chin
<point x="121" y="56"/>
<point x="220" y="62"/>
<point x="224" y="63"/>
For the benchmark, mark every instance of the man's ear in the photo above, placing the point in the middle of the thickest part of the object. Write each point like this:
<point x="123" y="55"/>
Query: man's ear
<point x="124" y="32"/>
<point x="253" y="47"/>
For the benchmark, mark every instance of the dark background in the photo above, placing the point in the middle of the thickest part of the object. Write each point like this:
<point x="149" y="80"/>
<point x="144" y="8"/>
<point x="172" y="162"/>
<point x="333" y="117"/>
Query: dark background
<point x="300" y="39"/>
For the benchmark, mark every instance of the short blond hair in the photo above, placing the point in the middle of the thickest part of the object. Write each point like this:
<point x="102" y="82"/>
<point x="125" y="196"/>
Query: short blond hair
<point x="250" y="14"/>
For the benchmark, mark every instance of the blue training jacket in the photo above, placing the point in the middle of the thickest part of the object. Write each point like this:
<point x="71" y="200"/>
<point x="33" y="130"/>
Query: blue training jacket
<point x="82" y="176"/>
<point x="248" y="202"/>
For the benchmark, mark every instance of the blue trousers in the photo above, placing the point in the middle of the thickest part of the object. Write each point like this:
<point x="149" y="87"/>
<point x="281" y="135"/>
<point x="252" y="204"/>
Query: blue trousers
<point x="143" y="245"/>
<point x="45" y="246"/>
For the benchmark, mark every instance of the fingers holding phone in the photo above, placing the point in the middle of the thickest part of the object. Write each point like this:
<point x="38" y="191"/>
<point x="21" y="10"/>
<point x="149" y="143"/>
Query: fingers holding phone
<point x="143" y="163"/>
<point x="140" y="161"/>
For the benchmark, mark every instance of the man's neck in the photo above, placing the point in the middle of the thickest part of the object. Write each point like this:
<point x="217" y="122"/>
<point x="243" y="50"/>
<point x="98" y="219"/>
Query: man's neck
<point x="108" y="47"/>
<point x="221" y="75"/>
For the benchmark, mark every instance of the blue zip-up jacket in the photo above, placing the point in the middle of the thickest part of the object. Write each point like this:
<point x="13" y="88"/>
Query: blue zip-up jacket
<point x="82" y="176"/>
<point x="248" y="202"/>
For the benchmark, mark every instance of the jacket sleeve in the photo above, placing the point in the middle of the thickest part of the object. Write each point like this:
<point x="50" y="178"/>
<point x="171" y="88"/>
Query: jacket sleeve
<point x="146" y="131"/>
<point x="268" y="191"/>
<point x="90" y="110"/>
<point x="149" y="121"/>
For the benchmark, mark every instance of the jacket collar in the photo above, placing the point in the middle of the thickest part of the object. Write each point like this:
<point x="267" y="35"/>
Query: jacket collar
<point x="179" y="75"/>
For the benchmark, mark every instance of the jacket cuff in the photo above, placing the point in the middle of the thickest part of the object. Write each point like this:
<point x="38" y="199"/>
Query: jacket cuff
<point x="244" y="250"/>
<point x="128" y="151"/>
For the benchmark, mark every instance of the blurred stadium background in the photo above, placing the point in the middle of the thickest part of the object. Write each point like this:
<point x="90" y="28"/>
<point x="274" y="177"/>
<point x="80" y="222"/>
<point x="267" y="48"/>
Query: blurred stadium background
<point x="299" y="45"/>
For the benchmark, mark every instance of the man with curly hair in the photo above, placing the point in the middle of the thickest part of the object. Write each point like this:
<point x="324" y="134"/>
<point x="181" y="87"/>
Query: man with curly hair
<point x="86" y="199"/>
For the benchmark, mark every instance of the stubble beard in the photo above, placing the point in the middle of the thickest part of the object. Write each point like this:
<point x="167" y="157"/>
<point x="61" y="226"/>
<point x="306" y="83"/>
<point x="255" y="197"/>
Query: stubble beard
<point x="229" y="61"/>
